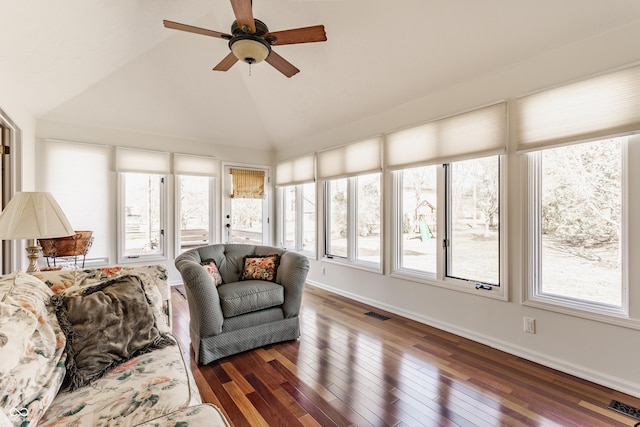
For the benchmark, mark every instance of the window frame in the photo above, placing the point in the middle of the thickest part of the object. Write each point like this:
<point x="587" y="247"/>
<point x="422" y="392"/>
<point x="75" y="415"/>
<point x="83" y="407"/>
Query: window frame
<point x="352" y="219"/>
<point x="440" y="278"/>
<point x="121" y="221"/>
<point x="532" y="286"/>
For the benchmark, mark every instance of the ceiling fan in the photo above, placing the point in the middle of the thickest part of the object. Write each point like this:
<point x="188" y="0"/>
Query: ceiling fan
<point x="251" y="41"/>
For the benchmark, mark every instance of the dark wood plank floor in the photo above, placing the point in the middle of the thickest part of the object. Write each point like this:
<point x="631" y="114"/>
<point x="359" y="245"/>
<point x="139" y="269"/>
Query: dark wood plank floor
<point x="351" y="369"/>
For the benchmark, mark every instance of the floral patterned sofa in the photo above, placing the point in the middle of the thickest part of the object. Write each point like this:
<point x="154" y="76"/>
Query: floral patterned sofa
<point x="154" y="387"/>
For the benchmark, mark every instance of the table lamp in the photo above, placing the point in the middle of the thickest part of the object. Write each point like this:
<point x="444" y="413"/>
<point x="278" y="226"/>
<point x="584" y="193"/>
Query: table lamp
<point x="33" y="215"/>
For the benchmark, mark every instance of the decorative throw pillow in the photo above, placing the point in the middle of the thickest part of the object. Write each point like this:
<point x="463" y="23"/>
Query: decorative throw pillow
<point x="260" y="267"/>
<point x="106" y="325"/>
<point x="210" y="266"/>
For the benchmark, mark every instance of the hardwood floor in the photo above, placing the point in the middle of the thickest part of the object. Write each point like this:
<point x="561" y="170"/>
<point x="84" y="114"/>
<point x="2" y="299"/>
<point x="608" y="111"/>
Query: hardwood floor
<point x="348" y="368"/>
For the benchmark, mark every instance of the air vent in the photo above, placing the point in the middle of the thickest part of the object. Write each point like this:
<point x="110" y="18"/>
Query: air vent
<point x="376" y="315"/>
<point x="623" y="408"/>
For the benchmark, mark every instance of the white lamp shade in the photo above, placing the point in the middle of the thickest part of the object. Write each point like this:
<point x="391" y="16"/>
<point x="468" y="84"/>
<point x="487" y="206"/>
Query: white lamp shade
<point x="33" y="215"/>
<point x="250" y="51"/>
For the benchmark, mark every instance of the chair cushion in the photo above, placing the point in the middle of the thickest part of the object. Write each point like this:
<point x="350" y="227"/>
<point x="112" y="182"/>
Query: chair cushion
<point x="249" y="295"/>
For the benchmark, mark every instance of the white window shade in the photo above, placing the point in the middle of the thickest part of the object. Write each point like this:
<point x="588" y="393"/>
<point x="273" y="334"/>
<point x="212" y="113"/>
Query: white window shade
<point x="78" y="177"/>
<point x="356" y="158"/>
<point x="472" y="134"/>
<point x="132" y="160"/>
<point x="296" y="171"/>
<point x="186" y="164"/>
<point x="598" y="107"/>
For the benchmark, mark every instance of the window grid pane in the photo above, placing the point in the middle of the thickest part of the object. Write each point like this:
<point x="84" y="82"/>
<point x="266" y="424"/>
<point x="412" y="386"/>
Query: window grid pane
<point x="418" y="213"/>
<point x="289" y="210"/>
<point x="142" y="222"/>
<point x="309" y="217"/>
<point x="473" y="250"/>
<point x="338" y="217"/>
<point x="195" y="211"/>
<point x="368" y="218"/>
<point x="581" y="219"/>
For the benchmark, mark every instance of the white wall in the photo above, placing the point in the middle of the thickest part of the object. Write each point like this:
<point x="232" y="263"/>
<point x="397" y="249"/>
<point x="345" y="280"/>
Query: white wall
<point x="601" y="352"/>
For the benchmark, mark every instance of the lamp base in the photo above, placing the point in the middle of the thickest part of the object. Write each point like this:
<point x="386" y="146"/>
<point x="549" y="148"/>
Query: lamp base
<point x="33" y="251"/>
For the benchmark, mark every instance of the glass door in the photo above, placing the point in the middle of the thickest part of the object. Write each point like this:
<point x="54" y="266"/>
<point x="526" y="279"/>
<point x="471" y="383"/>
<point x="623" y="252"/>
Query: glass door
<point x="246" y="205"/>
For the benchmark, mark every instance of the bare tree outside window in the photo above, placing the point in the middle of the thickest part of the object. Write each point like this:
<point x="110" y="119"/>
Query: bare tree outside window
<point x="581" y="217"/>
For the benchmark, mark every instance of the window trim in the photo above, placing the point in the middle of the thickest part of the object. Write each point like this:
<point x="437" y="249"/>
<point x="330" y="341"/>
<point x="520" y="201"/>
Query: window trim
<point x="531" y="292"/>
<point x="162" y="256"/>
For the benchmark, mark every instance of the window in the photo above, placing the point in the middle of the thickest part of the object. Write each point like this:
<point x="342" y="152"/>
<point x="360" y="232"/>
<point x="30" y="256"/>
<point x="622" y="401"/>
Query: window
<point x="418" y="219"/>
<point x="141" y="203"/>
<point x="447" y="191"/>
<point x="299" y="217"/>
<point x="195" y="178"/>
<point x="473" y="220"/>
<point x="143" y="218"/>
<point x="460" y="246"/>
<point x="70" y="180"/>
<point x="579" y="192"/>
<point x="354" y="219"/>
<point x="578" y="229"/>
<point x="338" y="217"/>
<point x="353" y="207"/>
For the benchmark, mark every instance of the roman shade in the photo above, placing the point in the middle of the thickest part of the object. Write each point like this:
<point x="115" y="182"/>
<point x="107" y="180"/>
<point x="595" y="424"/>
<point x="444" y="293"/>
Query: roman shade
<point x="187" y="164"/>
<point x="77" y="174"/>
<point x="477" y="133"/>
<point x="296" y="171"/>
<point x="594" y="108"/>
<point x="247" y="183"/>
<point x="351" y="159"/>
<point x="145" y="161"/>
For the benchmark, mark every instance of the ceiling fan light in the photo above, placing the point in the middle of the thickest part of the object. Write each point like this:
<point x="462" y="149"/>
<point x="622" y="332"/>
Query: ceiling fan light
<point x="250" y="51"/>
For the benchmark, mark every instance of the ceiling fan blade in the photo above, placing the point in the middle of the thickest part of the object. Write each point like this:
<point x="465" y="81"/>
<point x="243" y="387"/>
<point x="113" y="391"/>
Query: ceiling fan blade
<point x="244" y="14"/>
<point x="299" y="35"/>
<point x="226" y="63"/>
<point x="197" y="30"/>
<point x="281" y="64"/>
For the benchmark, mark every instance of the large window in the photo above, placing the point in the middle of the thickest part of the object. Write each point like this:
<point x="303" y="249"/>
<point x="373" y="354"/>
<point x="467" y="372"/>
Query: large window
<point x="460" y="244"/>
<point x="579" y="192"/>
<point x="578" y="229"/>
<point x="299" y="217"/>
<point x="354" y="224"/>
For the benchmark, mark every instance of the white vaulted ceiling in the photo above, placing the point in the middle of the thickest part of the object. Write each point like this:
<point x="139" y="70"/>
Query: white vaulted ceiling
<point x="111" y="63"/>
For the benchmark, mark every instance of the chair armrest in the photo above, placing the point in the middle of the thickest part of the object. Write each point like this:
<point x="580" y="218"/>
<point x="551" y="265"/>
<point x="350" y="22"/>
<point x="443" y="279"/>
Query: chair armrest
<point x="292" y="275"/>
<point x="202" y="296"/>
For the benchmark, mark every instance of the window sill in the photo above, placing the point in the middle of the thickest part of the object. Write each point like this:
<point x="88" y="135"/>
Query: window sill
<point x="372" y="268"/>
<point x="469" y="287"/>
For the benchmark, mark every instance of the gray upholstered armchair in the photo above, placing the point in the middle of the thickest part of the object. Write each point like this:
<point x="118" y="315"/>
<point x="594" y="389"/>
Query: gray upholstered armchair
<point x="240" y="315"/>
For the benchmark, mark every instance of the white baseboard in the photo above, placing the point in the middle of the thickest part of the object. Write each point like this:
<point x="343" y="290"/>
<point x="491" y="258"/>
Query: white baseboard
<point x="619" y="384"/>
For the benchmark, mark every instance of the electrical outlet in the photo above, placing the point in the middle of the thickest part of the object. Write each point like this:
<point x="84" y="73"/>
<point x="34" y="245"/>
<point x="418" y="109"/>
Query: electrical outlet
<point x="530" y="325"/>
<point x="324" y="271"/>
